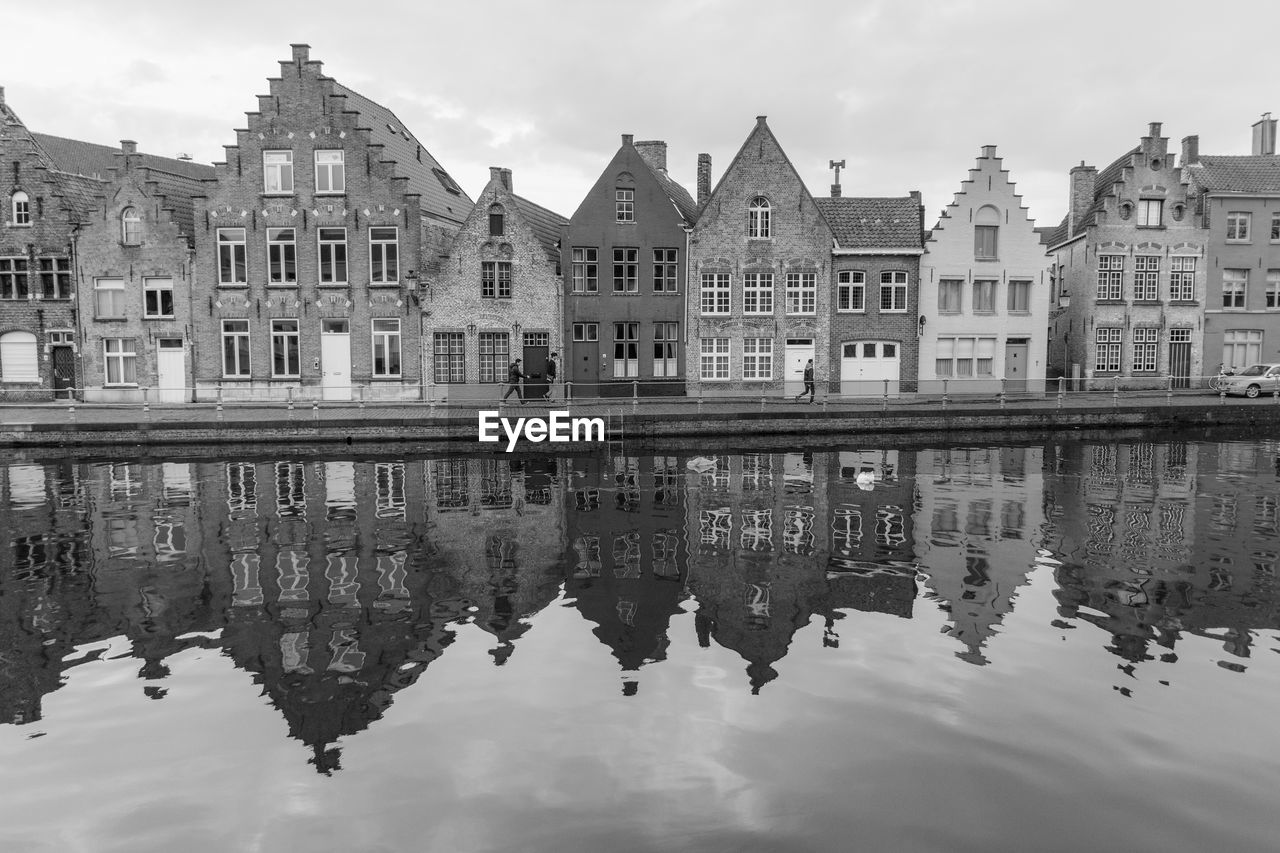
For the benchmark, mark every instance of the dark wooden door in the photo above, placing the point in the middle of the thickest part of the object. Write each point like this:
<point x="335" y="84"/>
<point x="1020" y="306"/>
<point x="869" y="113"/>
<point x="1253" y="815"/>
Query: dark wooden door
<point x="64" y="371"/>
<point x="1180" y="363"/>
<point x="535" y="358"/>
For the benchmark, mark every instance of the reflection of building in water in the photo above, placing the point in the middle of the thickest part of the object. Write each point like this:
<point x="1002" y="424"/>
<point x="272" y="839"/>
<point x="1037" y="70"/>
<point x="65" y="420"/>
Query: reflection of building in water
<point x="496" y="525"/>
<point x="1125" y="518"/>
<point x="627" y="553"/>
<point x="978" y="525"/>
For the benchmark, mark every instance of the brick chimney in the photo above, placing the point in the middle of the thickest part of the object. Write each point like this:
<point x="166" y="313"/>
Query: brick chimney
<point x="704" y="178"/>
<point x="1190" y="150"/>
<point x="1083" y="180"/>
<point x="501" y="175"/>
<point x="1264" y="133"/>
<point x="1" y="97"/>
<point x="628" y="139"/>
<point x="129" y="154"/>
<point x="654" y="152"/>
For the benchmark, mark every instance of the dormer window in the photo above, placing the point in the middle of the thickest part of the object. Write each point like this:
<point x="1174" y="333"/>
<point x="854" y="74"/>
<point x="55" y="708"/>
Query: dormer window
<point x="497" y="221"/>
<point x="759" y="219"/>
<point x="1151" y="212"/>
<point x="130" y="227"/>
<point x="21" y="209"/>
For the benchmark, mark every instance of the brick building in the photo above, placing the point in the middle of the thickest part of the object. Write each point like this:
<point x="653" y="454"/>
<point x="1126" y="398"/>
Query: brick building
<point x="135" y="255"/>
<point x="1237" y="200"/>
<point x="627" y="324"/>
<point x="875" y="281"/>
<point x="43" y="201"/>
<point x="759" y="264"/>
<point x="310" y="245"/>
<point x="984" y="292"/>
<point x="496" y="298"/>
<point x="1128" y="275"/>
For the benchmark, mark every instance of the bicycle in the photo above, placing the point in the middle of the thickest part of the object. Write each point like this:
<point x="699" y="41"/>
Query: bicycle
<point x="1217" y="383"/>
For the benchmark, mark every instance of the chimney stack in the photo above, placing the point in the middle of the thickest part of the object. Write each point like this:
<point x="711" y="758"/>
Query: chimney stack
<point x="989" y="152"/>
<point x="1083" y="180"/>
<point x="1264" y="133"/>
<point x="654" y="152"/>
<point x="505" y="175"/>
<point x="1190" y="150"/>
<point x="628" y="139"/>
<point x="1" y="97"/>
<point x="704" y="179"/>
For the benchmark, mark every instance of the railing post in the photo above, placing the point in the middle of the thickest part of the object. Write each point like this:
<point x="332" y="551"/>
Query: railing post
<point x="1062" y="390"/>
<point x="762" y="398"/>
<point x="315" y="410"/>
<point x="946" y="387"/>
<point x="360" y="396"/>
<point x="884" y="399"/>
<point x="568" y="390"/>
<point x="826" y="395"/>
<point x="1222" y="395"/>
<point x="71" y="403"/>
<point x="635" y="393"/>
<point x="699" y="396"/>
<point x="146" y="404"/>
<point x="1115" y="391"/>
<point x="218" y="407"/>
<point x="1168" y="391"/>
<point x="289" y="402"/>
<point x="1003" y="382"/>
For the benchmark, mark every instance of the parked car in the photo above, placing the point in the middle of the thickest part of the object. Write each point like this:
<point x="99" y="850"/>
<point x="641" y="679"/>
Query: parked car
<point x="1253" y="380"/>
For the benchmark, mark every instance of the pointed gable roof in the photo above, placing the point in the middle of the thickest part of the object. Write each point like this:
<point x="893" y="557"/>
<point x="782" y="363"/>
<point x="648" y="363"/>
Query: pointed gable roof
<point x="546" y="224"/>
<point x="684" y="203"/>
<point x="96" y="161"/>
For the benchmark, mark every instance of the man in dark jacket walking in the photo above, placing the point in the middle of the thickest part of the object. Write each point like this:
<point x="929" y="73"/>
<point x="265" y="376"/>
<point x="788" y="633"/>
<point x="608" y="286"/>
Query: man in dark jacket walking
<point x="808" y="382"/>
<point x="514" y="375"/>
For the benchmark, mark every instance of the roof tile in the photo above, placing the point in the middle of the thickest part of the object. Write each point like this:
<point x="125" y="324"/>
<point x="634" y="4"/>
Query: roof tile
<point x="873" y="223"/>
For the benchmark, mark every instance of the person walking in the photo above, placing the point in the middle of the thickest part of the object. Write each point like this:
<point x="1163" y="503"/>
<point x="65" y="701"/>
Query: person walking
<point x="808" y="382"/>
<point x="552" y="372"/>
<point x="514" y="376"/>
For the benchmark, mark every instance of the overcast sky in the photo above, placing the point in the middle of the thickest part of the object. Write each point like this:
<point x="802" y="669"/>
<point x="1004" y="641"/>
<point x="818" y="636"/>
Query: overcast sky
<point x="905" y="93"/>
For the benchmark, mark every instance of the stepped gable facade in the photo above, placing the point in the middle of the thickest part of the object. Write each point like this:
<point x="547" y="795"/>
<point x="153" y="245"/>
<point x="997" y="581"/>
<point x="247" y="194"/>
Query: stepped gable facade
<point x="312" y="242"/>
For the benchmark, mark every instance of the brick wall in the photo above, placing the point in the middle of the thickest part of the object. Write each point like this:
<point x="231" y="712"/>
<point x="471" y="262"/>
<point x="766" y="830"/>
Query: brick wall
<point x="874" y="324"/>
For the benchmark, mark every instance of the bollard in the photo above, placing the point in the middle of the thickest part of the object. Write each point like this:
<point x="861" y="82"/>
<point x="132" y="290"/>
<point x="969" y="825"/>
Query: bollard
<point x="315" y="410"/>
<point x="360" y="400"/>
<point x="1222" y="396"/>
<point x="146" y="404"/>
<point x="568" y="390"/>
<point x="1168" y="391"/>
<point x="699" y="396"/>
<point x="1062" y="390"/>
<point x="71" y="403"/>
<point x="826" y="395"/>
<point x="218" y="407"/>
<point x="635" y="393"/>
<point x="1115" y="392"/>
<point x="1002" y="391"/>
<point x="762" y="398"/>
<point x="946" y="385"/>
<point x="884" y="400"/>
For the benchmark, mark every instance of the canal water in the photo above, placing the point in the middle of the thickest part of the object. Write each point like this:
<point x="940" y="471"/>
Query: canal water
<point x="1064" y="645"/>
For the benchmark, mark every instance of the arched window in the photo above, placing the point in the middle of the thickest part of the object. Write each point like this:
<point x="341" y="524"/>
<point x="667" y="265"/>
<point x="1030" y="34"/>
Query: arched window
<point x="130" y="227"/>
<point x="497" y="221"/>
<point x="759" y="224"/>
<point x="21" y="208"/>
<point x="986" y="232"/>
<point x="18" y="358"/>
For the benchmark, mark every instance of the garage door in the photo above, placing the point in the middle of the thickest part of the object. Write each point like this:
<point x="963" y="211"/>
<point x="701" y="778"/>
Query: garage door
<point x="18" y="357"/>
<point x="865" y="366"/>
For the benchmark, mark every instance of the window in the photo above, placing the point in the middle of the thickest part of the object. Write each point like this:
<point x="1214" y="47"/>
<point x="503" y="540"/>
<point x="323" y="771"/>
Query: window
<point x="893" y="291"/>
<point x="1150" y="212"/>
<point x="449" y="357"/>
<point x="121" y="360"/>
<point x="497" y="221"/>
<point x="666" y="349"/>
<point x="626" y="350"/>
<point x="19" y="358"/>
<point x="586" y="269"/>
<point x="384" y="255"/>
<point x="235" y="349"/>
<point x="714" y="358"/>
<point x="965" y="357"/>
<point x="757" y="293"/>
<point x="1273" y="288"/>
<point x="802" y="292"/>
<point x="21" y="209"/>
<point x="625" y="204"/>
<point x="130" y="227"/>
<point x="231" y="256"/>
<point x="1238" y="223"/>
<point x="1110" y="277"/>
<point x="715" y="293"/>
<point x="757" y="358"/>
<point x="984" y="297"/>
<point x="333" y="255"/>
<point x="1145" y="348"/>
<point x="1182" y="280"/>
<point x="1146" y="278"/>
<point x="55" y="277"/>
<point x="1241" y="348"/>
<point x="851" y="291"/>
<point x="665" y="265"/>
<point x="282" y="256"/>
<point x="284" y="348"/>
<point x="986" y="232"/>
<point x="386" y="348"/>
<point x="1019" y="297"/>
<point x="759" y="220"/>
<point x="1107" y="351"/>
<point x="1234" y="285"/>
<point x="108" y="296"/>
<point x="277" y="172"/>
<point x="13" y="279"/>
<point x="586" y="331"/>
<point x="157" y="298"/>
<point x="495" y="352"/>
<point x="1275" y="228"/>
<point x="331" y="176"/>
<point x="626" y="270"/>
<point x="949" y="290"/>
<point x="495" y="280"/>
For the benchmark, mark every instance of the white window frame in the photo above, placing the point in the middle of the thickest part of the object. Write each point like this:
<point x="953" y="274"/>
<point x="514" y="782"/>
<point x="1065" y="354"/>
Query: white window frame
<point x="232" y="257"/>
<point x="895" y="282"/>
<point x="331" y="171"/>
<point x="666" y="349"/>
<point x="624" y="204"/>
<point x="757" y="293"/>
<point x="802" y="293"/>
<point x="15" y="279"/>
<point x="586" y="269"/>
<point x="157" y="285"/>
<point x="666" y="267"/>
<point x="328" y="249"/>
<point x="1108" y="349"/>
<point x="1239" y="226"/>
<point x="965" y="357"/>
<point x="1241" y="348"/>
<point x="1182" y="279"/>
<point x="20" y="209"/>
<point x="281" y="340"/>
<point x="1150" y="212"/>
<point x="130" y="226"/>
<point x="1235" y="289"/>
<point x="287" y="250"/>
<point x="586" y="332"/>
<point x="950" y="296"/>
<point x="757" y="359"/>
<point x="1273" y="290"/>
<point x="1146" y="349"/>
<point x="1275" y="227"/>
<point x="384" y="247"/>
<point x="123" y="361"/>
<point x="713" y="359"/>
<point x="494" y="351"/>
<point x="851" y="283"/>
<point x="113" y="290"/>
<point x="55" y="277"/>
<point x="626" y="269"/>
<point x="496" y="280"/>
<point x="449" y="357"/>
<point x="23" y="368"/>
<point x="242" y="370"/>
<point x="384" y="338"/>
<point x="759" y="219"/>
<point x="626" y="350"/>
<point x="716" y="294"/>
<point x="1110" y="278"/>
<point x="1146" y="278"/>
<point x="277" y="171"/>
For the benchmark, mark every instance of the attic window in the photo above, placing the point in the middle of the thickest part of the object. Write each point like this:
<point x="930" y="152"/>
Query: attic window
<point x="391" y="127"/>
<point x="447" y="182"/>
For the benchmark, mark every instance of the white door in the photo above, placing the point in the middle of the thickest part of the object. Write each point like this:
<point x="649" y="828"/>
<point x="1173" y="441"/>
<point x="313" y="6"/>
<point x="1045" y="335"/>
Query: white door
<point x="796" y="356"/>
<point x="171" y="371"/>
<point x="335" y="360"/>
<point x="865" y="366"/>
